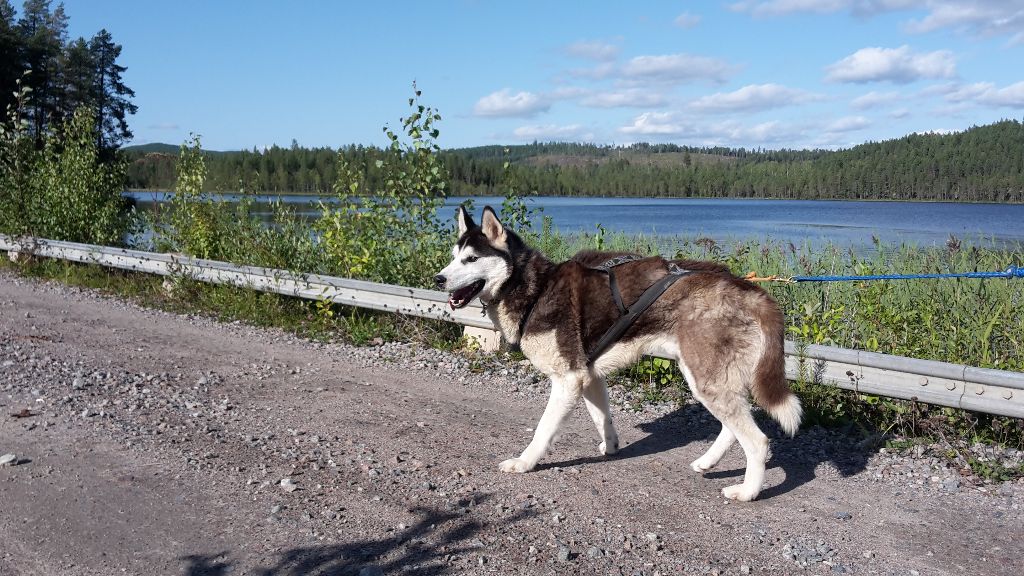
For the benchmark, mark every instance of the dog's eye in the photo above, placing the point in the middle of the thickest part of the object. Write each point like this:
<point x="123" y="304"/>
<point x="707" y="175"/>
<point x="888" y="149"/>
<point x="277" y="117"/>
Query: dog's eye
<point x="472" y="258"/>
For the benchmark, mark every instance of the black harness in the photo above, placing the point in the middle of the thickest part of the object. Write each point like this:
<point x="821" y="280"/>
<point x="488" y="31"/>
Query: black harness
<point x="627" y="315"/>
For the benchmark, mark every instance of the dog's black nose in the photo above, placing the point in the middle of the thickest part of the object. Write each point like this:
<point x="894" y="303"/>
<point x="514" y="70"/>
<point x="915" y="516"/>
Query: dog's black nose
<point x="440" y="281"/>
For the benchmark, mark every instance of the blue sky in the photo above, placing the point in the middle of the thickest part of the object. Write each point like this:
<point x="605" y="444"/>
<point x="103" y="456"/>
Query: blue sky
<point x="772" y="74"/>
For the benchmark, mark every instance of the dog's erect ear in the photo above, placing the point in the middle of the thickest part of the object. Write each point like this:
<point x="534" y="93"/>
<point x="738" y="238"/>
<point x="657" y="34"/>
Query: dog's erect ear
<point x="464" y="219"/>
<point x="493" y="229"/>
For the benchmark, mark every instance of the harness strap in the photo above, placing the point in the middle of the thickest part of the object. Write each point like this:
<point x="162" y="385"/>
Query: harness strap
<point x="616" y="293"/>
<point x="629" y="315"/>
<point x="613" y="285"/>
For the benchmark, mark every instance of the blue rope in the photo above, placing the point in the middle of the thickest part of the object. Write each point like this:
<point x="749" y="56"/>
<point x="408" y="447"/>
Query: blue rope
<point x="1011" y="272"/>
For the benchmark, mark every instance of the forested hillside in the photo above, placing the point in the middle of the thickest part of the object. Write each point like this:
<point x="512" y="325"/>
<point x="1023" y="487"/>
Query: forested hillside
<point x="984" y="163"/>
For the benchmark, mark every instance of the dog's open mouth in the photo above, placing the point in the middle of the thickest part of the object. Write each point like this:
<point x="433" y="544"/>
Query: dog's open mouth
<point x="462" y="296"/>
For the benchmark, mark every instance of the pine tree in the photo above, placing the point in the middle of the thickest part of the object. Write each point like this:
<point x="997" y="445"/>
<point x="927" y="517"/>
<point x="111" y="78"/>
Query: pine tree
<point x="112" y="98"/>
<point x="44" y="33"/>
<point x="77" y="78"/>
<point x="10" y="55"/>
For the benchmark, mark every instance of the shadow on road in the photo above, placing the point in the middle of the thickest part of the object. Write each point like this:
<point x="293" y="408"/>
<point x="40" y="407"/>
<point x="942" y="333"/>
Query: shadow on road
<point x="798" y="456"/>
<point x="208" y="565"/>
<point x="424" y="545"/>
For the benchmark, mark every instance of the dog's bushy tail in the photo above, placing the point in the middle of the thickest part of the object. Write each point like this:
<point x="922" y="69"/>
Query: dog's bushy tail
<point x="770" y="388"/>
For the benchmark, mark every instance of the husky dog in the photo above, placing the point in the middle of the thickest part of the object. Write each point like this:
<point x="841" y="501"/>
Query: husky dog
<point x="726" y="334"/>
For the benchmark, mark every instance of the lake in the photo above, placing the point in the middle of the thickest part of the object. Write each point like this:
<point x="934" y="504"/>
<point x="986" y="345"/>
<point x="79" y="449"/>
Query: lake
<point x="843" y="223"/>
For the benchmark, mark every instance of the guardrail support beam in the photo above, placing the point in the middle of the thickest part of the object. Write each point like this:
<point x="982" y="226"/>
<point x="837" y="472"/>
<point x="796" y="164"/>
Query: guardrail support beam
<point x="940" y="383"/>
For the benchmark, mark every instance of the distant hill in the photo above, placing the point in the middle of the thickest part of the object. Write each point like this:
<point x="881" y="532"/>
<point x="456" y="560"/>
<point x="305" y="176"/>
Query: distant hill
<point x="153" y="148"/>
<point x="161" y="148"/>
<point x="983" y="163"/>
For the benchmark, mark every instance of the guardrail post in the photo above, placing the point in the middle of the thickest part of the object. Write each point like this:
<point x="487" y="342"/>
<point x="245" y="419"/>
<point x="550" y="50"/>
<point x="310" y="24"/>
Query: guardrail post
<point x="487" y="340"/>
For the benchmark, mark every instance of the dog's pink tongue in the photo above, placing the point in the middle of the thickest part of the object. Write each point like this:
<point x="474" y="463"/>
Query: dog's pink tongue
<point x="451" y="303"/>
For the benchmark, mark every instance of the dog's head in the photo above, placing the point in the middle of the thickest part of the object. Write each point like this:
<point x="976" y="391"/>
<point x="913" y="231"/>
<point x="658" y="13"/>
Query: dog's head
<point x="482" y="259"/>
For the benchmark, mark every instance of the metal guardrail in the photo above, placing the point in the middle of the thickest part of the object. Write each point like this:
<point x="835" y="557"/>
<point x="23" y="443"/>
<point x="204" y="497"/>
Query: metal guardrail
<point x="954" y="385"/>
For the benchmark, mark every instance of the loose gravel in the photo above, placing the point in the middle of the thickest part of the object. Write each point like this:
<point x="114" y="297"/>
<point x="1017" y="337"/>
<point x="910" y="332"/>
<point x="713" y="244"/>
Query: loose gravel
<point x="139" y="441"/>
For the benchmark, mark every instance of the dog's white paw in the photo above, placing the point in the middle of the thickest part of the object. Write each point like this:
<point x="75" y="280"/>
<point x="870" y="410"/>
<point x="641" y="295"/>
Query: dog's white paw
<point x="515" y="465"/>
<point x="608" y="448"/>
<point x="740" y="493"/>
<point x="702" y="464"/>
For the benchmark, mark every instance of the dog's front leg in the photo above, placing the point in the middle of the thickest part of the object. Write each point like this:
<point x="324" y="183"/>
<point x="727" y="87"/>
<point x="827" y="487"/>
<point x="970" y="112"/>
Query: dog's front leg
<point x="565" y="393"/>
<point x="595" y="395"/>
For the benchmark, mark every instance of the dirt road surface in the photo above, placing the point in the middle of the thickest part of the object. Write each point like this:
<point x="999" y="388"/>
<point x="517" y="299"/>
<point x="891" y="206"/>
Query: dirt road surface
<point x="152" y="443"/>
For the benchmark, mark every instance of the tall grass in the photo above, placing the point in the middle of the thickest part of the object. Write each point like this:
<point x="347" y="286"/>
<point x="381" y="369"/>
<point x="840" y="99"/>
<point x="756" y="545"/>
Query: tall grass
<point x="396" y="235"/>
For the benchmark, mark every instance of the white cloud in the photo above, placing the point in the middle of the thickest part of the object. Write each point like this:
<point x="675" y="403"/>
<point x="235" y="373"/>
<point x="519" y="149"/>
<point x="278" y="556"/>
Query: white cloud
<point x="657" y="123"/>
<point x="753" y="97"/>
<point x="597" y="72"/>
<point x="673" y="125"/>
<point x="983" y="18"/>
<point x="874" y="99"/>
<point x="987" y="94"/>
<point x="677" y="68"/>
<point x="593" y="50"/>
<point x="632" y="98"/>
<point x="898" y="65"/>
<point x="939" y="131"/>
<point x="733" y="133"/>
<point x="847" y="124"/>
<point x="504" y="103"/>
<point x="566" y="93"/>
<point x="549" y="132"/>
<point x="779" y="7"/>
<point x="899" y="114"/>
<point x="687" y="20"/>
<point x="980" y="17"/>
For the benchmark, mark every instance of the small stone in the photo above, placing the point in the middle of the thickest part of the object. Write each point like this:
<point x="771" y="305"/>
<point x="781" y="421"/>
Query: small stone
<point x="77" y="384"/>
<point x="533" y="551"/>
<point x="843" y="515"/>
<point x="951" y="485"/>
<point x="744" y="569"/>
<point x="557" y="518"/>
<point x="868" y="554"/>
<point x="651" y="537"/>
<point x="564" y="553"/>
<point x="275" y="509"/>
<point x="594" y="552"/>
<point x="8" y="460"/>
<point x="371" y="571"/>
<point x="288" y="486"/>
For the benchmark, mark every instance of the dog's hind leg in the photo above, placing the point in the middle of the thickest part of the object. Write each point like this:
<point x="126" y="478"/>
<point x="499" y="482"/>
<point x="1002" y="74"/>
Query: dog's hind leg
<point x="729" y="404"/>
<point x="714" y="454"/>
<point x="595" y="395"/>
<point x="565" y="393"/>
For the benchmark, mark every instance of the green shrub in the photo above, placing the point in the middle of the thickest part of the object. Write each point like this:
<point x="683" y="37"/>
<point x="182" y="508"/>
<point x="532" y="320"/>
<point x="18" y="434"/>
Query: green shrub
<point x="18" y="160"/>
<point x="63" y="191"/>
<point x="391" y="234"/>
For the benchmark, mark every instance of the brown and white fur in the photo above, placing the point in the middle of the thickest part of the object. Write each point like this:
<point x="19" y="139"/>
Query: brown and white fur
<point x="726" y="334"/>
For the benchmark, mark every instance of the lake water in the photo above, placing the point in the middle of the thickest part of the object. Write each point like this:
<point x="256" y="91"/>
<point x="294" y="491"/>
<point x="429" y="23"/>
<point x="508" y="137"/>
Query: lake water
<point x="843" y="223"/>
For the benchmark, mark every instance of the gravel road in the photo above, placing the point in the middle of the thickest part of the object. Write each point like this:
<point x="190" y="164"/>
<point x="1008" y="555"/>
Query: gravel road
<point x="144" y="442"/>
